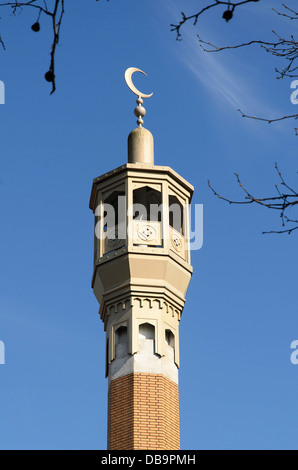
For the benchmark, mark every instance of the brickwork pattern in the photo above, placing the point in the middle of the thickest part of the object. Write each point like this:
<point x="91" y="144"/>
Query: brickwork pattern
<point x="143" y="413"/>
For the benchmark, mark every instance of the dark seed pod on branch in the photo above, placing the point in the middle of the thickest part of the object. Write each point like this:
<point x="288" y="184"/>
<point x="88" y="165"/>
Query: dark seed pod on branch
<point x="35" y="27"/>
<point x="227" y="15"/>
<point x="49" y="76"/>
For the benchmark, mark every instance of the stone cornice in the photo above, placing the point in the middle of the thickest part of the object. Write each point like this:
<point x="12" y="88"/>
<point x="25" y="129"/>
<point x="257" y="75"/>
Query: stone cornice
<point x="162" y="300"/>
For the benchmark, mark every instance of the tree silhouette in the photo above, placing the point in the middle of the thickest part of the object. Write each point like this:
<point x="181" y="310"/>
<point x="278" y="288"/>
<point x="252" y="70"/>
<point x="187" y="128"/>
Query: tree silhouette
<point x="227" y="14"/>
<point x="286" y="198"/>
<point x="55" y="16"/>
<point x="285" y="49"/>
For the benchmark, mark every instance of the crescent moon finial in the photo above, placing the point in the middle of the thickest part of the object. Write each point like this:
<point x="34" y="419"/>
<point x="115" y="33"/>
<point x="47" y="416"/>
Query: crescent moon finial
<point x="128" y="79"/>
<point x="139" y="111"/>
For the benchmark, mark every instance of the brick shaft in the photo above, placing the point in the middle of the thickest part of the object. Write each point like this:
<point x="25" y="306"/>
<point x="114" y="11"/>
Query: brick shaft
<point x="143" y="413"/>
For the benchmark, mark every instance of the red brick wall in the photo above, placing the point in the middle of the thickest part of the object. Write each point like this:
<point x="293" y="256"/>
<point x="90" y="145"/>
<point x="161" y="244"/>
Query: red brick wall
<point x="143" y="413"/>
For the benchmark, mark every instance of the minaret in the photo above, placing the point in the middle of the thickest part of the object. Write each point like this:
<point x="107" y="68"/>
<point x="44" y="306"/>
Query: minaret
<point x="141" y="275"/>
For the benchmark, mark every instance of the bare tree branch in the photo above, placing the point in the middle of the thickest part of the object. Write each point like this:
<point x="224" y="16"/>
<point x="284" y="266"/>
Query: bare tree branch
<point x="56" y="16"/>
<point x="283" y="202"/>
<point x="227" y="15"/>
<point x="269" y="121"/>
<point x="283" y="48"/>
<point x="291" y="16"/>
<point x="56" y="30"/>
<point x="286" y="49"/>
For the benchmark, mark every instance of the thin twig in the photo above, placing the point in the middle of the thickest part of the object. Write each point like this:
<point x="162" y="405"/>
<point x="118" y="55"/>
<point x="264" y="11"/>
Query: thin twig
<point x="56" y="16"/>
<point x="282" y="202"/>
<point x="231" y="6"/>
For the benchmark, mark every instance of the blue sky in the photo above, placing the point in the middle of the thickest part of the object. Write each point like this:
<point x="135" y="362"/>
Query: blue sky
<point x="238" y="388"/>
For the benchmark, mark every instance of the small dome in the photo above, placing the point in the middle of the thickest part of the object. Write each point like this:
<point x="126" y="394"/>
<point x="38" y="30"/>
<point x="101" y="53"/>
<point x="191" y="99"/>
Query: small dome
<point x="141" y="146"/>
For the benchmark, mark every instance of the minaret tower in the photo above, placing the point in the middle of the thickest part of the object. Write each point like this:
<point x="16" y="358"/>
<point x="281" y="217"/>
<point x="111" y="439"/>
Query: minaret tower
<point x="141" y="274"/>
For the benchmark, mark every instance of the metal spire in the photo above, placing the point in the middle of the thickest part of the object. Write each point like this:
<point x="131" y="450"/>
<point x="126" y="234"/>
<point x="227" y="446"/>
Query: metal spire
<point x="139" y="111"/>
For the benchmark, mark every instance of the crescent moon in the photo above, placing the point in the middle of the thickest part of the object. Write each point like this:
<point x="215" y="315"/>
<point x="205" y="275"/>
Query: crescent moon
<point x="129" y="83"/>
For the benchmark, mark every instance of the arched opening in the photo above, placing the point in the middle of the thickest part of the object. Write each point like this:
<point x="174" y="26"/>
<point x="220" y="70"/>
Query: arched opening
<point x="147" y="215"/>
<point x="113" y="223"/>
<point x="147" y="338"/>
<point x="170" y="345"/>
<point x="170" y="338"/>
<point x="113" y="211"/>
<point x="146" y="201"/>
<point x="121" y="344"/>
<point x="176" y="214"/>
